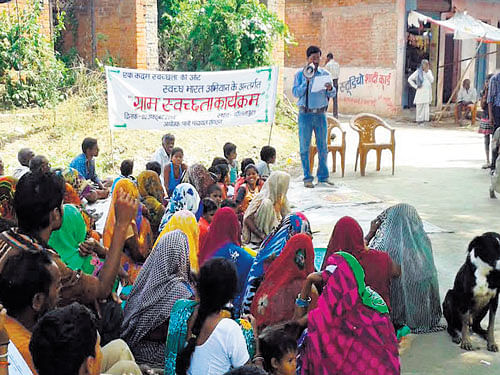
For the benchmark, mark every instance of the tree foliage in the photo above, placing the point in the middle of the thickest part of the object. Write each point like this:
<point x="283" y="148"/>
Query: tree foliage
<point x="201" y="35"/>
<point x="30" y="73"/>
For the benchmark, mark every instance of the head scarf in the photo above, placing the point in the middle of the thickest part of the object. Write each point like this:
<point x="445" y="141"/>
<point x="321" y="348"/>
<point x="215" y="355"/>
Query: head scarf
<point x="144" y="235"/>
<point x="149" y="185"/>
<point x="185" y="222"/>
<point x="415" y="296"/>
<point x="162" y="281"/>
<point x="198" y="176"/>
<point x="274" y="301"/>
<point x="68" y="238"/>
<point x="349" y="331"/>
<point x="224" y="229"/>
<point x="151" y="191"/>
<point x="72" y="177"/>
<point x="271" y="247"/>
<point x="71" y="196"/>
<point x="7" y="189"/>
<point x="184" y="197"/>
<point x="346" y="236"/>
<point x="270" y="206"/>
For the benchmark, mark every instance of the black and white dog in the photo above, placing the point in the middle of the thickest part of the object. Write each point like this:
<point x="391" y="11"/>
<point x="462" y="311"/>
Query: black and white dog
<point x="475" y="292"/>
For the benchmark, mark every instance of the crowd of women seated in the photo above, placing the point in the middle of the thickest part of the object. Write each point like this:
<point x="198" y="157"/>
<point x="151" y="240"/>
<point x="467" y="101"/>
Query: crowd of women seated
<point x="247" y="291"/>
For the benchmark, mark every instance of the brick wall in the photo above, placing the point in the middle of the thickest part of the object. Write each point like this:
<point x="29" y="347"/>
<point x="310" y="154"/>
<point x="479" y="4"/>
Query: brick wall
<point x="358" y="32"/>
<point x="124" y="29"/>
<point x="10" y="8"/>
<point x="363" y="36"/>
<point x="278" y="54"/>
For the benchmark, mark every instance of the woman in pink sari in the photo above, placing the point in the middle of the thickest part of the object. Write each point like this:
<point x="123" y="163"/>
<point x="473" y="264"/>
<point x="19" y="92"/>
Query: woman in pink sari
<point x="350" y="331"/>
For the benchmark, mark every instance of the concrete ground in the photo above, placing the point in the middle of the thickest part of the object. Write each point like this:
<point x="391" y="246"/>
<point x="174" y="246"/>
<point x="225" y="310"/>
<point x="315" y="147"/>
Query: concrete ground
<point x="438" y="170"/>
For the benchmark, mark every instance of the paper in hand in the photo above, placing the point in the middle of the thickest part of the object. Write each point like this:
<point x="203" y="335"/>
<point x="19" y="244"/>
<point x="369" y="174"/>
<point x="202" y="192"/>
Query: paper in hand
<point x="17" y="363"/>
<point x="319" y="82"/>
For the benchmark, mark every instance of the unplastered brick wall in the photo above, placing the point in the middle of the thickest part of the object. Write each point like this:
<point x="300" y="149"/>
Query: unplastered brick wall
<point x="125" y="30"/>
<point x="363" y="37"/>
<point x="358" y="32"/>
<point x="11" y="9"/>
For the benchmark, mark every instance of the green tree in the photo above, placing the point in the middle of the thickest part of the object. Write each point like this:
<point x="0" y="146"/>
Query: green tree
<point x="30" y="73"/>
<point x="201" y="35"/>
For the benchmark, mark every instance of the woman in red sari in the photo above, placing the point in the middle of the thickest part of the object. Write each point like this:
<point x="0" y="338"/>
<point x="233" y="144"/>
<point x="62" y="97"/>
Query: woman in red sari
<point x="350" y="331"/>
<point x="378" y="266"/>
<point x="275" y="298"/>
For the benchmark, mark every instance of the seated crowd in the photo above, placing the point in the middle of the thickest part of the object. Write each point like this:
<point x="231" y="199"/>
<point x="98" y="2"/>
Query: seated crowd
<point x="199" y="271"/>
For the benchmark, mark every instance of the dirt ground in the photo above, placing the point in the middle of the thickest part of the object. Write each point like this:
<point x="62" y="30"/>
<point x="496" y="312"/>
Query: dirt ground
<point x="438" y="170"/>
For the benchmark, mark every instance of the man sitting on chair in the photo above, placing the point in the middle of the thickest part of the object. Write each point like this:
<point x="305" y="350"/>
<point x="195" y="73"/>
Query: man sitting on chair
<point x="466" y="99"/>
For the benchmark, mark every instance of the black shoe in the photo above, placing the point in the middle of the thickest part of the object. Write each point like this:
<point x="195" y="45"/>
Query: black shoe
<point x="308" y="184"/>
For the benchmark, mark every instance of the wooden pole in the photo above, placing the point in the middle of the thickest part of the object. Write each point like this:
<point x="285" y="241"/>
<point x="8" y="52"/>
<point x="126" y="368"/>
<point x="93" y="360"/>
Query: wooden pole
<point x="459" y="83"/>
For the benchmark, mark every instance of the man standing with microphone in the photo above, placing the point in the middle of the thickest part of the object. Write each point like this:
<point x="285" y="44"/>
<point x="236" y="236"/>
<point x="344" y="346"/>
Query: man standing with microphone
<point x="314" y="90"/>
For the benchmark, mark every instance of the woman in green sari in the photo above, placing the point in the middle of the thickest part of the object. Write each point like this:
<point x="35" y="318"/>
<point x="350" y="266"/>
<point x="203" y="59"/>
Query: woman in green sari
<point x="67" y="240"/>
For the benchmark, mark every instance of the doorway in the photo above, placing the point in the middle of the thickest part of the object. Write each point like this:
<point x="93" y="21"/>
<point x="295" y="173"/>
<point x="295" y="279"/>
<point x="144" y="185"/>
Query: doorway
<point x="451" y="66"/>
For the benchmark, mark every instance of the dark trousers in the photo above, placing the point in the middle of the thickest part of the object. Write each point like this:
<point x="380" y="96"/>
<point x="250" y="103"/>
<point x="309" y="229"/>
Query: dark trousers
<point x="496" y="124"/>
<point x="336" y="99"/>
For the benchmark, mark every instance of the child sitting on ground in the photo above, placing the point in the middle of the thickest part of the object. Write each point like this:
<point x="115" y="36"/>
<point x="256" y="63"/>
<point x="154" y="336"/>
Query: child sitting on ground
<point x="209" y="209"/>
<point x="174" y="171"/>
<point x="126" y="170"/>
<point x="248" y="190"/>
<point x="267" y="157"/>
<point x="231" y="204"/>
<point x="214" y="192"/>
<point x="241" y="178"/>
<point x="231" y="155"/>
<point x="220" y="173"/>
<point x="495" y="173"/>
<point x="154" y="166"/>
<point x="279" y="351"/>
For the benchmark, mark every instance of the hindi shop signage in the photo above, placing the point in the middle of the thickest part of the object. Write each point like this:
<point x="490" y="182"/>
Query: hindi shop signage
<point x="139" y="99"/>
<point x="368" y="90"/>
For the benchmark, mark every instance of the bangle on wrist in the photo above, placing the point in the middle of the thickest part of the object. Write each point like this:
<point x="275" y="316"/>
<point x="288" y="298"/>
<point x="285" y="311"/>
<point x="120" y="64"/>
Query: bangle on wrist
<point x="304" y="303"/>
<point x="5" y="343"/>
<point x="4" y="356"/>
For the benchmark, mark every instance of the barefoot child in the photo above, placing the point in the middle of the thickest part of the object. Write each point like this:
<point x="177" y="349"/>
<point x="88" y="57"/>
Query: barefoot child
<point x="485" y="126"/>
<point x="173" y="172"/>
<point x="495" y="173"/>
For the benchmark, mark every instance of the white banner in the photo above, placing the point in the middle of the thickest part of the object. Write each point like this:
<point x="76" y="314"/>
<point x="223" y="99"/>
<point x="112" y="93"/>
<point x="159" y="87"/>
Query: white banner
<point x="140" y="99"/>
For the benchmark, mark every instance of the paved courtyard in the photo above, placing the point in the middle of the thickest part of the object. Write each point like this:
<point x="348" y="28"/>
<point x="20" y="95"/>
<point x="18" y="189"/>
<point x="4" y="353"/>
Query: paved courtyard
<point x="439" y="172"/>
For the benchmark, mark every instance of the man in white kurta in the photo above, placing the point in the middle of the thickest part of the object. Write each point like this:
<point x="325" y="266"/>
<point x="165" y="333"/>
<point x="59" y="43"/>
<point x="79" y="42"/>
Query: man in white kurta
<point x="421" y="80"/>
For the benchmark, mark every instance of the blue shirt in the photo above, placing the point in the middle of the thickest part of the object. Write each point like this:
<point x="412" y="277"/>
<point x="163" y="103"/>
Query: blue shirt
<point x="84" y="168"/>
<point x="494" y="90"/>
<point x="316" y="99"/>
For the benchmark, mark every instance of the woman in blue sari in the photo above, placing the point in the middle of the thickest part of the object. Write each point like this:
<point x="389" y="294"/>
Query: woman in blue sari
<point x="223" y="240"/>
<point x="272" y="246"/>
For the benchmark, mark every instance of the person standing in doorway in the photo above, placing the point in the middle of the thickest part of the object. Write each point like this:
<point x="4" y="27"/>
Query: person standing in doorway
<point x="421" y="80"/>
<point x="494" y="110"/>
<point x="333" y="68"/>
<point x="312" y="116"/>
